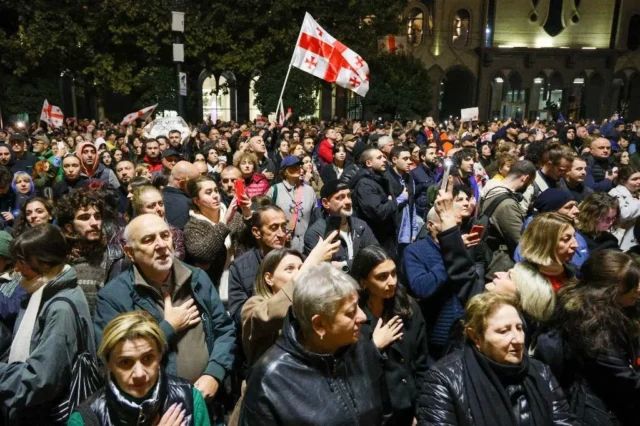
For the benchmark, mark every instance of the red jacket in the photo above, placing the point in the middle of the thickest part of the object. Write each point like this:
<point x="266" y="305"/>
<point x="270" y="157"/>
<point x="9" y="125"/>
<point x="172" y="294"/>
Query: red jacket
<point x="154" y="165"/>
<point x="325" y="151"/>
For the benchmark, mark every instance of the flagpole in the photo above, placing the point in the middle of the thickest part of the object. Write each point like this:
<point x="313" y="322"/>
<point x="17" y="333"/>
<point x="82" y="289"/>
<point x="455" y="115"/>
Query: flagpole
<point x="286" y="78"/>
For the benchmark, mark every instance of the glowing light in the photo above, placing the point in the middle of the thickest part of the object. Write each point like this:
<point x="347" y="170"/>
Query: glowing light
<point x="578" y="80"/>
<point x="538" y="80"/>
<point x="498" y="80"/>
<point x="588" y="48"/>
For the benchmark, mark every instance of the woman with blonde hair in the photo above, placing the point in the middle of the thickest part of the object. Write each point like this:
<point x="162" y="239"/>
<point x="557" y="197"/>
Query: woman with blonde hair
<point x="547" y="246"/>
<point x="598" y="213"/>
<point x="137" y="391"/>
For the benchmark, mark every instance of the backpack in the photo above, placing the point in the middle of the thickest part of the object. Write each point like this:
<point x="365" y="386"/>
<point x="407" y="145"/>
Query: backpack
<point x="86" y="376"/>
<point x="484" y="217"/>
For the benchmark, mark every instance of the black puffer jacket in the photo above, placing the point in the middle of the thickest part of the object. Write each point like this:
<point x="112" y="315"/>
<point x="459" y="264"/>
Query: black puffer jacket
<point x="291" y="386"/>
<point x="109" y="406"/>
<point x="443" y="399"/>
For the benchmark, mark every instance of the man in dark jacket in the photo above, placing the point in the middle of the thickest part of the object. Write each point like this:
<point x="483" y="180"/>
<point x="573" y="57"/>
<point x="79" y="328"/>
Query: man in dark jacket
<point x="23" y="160"/>
<point x="199" y="333"/>
<point x="355" y="234"/>
<point x="269" y="228"/>
<point x="440" y="272"/>
<point x="373" y="201"/>
<point x="174" y="194"/>
<point x="600" y="175"/>
<point x="424" y="176"/>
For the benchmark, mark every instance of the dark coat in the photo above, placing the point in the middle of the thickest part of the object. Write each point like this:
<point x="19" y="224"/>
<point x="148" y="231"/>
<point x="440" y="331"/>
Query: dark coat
<point x="596" y="170"/>
<point x="291" y="386"/>
<point x="242" y="278"/>
<point x="444" y="401"/>
<point x="405" y="360"/>
<point x="603" y="389"/>
<point x="121" y="295"/>
<point x="29" y="389"/>
<point x="443" y="277"/>
<point x="361" y="235"/>
<point x="423" y="177"/>
<point x="373" y="203"/>
<point x="177" y="206"/>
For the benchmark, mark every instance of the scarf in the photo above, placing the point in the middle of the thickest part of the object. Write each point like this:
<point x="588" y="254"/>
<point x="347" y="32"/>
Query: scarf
<point x="488" y="399"/>
<point x="21" y="344"/>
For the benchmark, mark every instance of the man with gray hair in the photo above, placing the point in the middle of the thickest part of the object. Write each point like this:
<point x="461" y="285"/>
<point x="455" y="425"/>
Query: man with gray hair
<point x="385" y="144"/>
<point x="182" y="298"/>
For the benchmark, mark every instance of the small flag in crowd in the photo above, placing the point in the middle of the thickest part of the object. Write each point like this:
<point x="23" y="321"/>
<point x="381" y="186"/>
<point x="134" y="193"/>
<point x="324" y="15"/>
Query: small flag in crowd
<point x="282" y="118"/>
<point x="143" y="113"/>
<point x="321" y="55"/>
<point x="51" y="114"/>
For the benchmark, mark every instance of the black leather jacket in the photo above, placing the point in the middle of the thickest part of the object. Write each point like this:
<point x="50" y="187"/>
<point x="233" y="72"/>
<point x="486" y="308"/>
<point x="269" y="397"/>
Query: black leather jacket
<point x="443" y="399"/>
<point x="290" y="386"/>
<point x="110" y="407"/>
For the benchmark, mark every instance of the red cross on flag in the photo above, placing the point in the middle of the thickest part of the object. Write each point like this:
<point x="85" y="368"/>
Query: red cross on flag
<point x="319" y="54"/>
<point x="51" y="114"/>
<point x="143" y="113"/>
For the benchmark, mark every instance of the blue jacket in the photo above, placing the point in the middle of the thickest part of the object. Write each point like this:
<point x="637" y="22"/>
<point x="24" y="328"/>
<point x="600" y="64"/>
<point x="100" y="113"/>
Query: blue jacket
<point x="121" y="295"/>
<point x="423" y="178"/>
<point x="442" y="276"/>
<point x="579" y="257"/>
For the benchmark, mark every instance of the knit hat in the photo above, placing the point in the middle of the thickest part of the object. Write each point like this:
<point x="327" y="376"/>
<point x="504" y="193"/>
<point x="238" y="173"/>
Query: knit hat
<point x="5" y="244"/>
<point x="204" y="242"/>
<point x="551" y="200"/>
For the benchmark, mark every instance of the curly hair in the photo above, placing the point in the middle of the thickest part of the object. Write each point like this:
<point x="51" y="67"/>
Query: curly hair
<point x="592" y="209"/>
<point x="590" y="315"/>
<point x="76" y="200"/>
<point x="21" y="223"/>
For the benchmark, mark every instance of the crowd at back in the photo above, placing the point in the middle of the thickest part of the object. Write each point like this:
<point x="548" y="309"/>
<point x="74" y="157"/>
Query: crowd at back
<point x="332" y="273"/>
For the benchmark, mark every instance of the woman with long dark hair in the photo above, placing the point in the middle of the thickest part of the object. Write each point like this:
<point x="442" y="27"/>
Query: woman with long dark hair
<point x="400" y="330"/>
<point x="592" y="345"/>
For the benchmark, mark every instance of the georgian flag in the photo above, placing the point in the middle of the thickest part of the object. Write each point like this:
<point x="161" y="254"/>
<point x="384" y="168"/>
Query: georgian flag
<point x="321" y="55"/>
<point x="143" y="113"/>
<point x="51" y="114"/>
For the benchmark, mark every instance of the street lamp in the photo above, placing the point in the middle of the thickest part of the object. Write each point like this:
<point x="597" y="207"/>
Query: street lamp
<point x="177" y="26"/>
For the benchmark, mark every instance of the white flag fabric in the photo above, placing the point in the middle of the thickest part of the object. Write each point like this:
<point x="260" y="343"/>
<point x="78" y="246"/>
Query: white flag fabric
<point x="51" y="114"/>
<point x="143" y="113"/>
<point x="214" y="109"/>
<point x="321" y="55"/>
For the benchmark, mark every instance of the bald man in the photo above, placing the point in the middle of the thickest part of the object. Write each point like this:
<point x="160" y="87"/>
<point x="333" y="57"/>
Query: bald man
<point x="174" y="194"/>
<point x="199" y="332"/>
<point x="601" y="172"/>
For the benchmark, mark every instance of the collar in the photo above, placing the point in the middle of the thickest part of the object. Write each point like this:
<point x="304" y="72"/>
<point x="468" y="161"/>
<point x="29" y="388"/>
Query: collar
<point x="180" y="274"/>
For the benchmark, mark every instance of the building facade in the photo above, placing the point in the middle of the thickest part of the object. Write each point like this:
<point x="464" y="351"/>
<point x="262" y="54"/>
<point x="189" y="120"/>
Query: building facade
<point x="529" y="59"/>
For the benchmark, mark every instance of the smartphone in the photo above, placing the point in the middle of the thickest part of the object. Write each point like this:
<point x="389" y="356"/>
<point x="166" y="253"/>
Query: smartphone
<point x="222" y="158"/>
<point x="333" y="224"/>
<point x="240" y="190"/>
<point x="447" y="162"/>
<point x="479" y="229"/>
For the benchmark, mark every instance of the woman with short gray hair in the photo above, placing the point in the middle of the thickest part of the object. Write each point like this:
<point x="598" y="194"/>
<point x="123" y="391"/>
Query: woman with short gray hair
<point x="320" y="370"/>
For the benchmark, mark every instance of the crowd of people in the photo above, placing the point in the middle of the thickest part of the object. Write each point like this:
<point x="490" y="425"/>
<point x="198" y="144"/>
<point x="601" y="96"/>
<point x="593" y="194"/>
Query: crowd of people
<point x="328" y="273"/>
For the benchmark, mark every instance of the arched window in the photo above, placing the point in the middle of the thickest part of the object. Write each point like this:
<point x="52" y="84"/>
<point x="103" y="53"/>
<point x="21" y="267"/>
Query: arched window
<point x="415" y="27"/>
<point x="633" y="37"/>
<point x="461" y="28"/>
